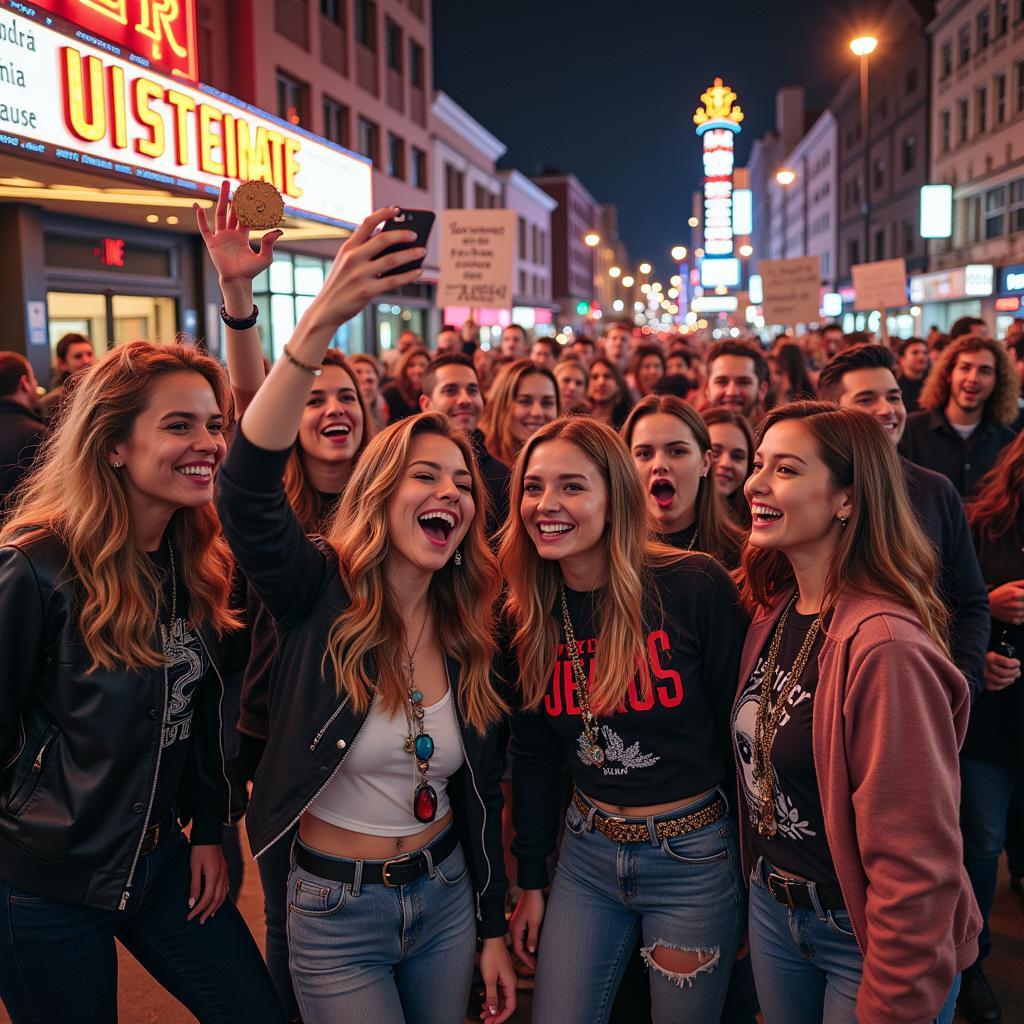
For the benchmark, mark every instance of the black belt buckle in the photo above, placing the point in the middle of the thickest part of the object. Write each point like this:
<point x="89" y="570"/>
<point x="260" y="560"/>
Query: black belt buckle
<point x="386" y="867"/>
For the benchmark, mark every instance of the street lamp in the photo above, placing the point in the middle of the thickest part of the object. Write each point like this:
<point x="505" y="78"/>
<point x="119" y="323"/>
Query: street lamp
<point x="693" y="222"/>
<point x="592" y="238"/>
<point x="746" y="250"/>
<point x="645" y="268"/>
<point x="678" y="253"/>
<point x="863" y="47"/>
<point x="627" y="281"/>
<point x="614" y="271"/>
<point x="785" y="177"/>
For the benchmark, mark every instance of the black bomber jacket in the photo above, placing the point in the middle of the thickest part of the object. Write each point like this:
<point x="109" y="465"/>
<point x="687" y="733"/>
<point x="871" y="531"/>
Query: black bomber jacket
<point x="310" y="730"/>
<point x="80" y="750"/>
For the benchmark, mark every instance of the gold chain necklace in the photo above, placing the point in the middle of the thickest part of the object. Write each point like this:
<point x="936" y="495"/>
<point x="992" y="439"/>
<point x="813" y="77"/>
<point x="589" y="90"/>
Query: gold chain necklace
<point x="417" y="742"/>
<point x="590" y="729"/>
<point x="769" y="716"/>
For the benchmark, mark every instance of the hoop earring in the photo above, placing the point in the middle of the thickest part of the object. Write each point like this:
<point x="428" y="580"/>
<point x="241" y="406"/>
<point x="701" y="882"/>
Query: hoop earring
<point x="458" y="557"/>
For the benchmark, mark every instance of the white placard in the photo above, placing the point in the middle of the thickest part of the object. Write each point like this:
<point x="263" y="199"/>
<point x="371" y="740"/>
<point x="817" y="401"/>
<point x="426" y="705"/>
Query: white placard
<point x="792" y="289"/>
<point x="881" y="285"/>
<point x="477" y="258"/>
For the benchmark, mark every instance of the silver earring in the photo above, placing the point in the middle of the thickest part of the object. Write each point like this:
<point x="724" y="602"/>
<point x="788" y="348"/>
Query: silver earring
<point x="458" y="557"/>
<point x="116" y="465"/>
<point x="843" y="520"/>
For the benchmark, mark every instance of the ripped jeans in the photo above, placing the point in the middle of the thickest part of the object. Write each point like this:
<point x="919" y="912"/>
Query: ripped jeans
<point x="684" y="893"/>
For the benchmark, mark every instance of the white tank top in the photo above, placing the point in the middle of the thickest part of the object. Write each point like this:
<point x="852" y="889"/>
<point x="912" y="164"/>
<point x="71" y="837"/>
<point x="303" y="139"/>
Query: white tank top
<point x="373" y="791"/>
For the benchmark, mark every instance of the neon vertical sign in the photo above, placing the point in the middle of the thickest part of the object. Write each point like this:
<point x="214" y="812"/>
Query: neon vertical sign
<point x="718" y="123"/>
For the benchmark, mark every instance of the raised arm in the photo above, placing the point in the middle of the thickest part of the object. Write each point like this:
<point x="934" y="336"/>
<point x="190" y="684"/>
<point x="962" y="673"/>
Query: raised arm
<point x="272" y="419"/>
<point x="237" y="266"/>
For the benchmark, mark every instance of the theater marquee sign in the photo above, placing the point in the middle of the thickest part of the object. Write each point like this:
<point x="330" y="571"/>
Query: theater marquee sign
<point x="69" y="101"/>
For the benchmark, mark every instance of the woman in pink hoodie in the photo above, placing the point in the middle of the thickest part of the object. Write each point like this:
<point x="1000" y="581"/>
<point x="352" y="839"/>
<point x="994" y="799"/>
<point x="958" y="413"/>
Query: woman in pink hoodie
<point x="847" y="724"/>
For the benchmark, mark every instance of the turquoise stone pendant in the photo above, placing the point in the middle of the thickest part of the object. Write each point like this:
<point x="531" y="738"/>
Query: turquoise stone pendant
<point x="424" y="747"/>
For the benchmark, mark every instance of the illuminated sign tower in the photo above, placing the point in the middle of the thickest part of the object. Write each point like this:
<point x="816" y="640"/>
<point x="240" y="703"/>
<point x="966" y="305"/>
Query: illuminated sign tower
<point x="718" y="122"/>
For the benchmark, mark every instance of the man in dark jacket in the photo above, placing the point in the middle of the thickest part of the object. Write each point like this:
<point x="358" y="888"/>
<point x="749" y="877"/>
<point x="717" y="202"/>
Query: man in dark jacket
<point x="862" y="378"/>
<point x="21" y="426"/>
<point x="968" y="404"/>
<point x="450" y="385"/>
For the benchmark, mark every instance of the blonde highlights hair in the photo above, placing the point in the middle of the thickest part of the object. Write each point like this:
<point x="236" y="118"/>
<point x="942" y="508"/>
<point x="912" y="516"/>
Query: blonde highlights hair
<point x="882" y="549"/>
<point x="75" y="495"/>
<point x="365" y="640"/>
<point x="496" y="422"/>
<point x="533" y="582"/>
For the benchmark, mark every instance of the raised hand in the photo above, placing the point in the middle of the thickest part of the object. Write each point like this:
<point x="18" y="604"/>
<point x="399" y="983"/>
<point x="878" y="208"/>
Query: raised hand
<point x="228" y="242"/>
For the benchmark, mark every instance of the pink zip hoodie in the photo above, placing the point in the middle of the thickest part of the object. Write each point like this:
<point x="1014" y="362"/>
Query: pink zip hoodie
<point x="890" y="713"/>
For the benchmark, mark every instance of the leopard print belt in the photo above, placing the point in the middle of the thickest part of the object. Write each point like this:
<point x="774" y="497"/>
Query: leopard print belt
<point x="621" y="831"/>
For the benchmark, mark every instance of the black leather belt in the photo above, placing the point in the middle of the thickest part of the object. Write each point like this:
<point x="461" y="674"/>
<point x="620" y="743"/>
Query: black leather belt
<point x="796" y="893"/>
<point x="392" y="873"/>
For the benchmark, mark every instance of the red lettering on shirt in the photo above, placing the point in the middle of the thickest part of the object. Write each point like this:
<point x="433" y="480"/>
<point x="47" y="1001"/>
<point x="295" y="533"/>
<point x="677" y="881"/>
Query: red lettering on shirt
<point x="670" y="690"/>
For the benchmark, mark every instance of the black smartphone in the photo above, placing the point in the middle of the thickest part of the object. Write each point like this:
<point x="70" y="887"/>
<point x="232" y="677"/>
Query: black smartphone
<point x="420" y="221"/>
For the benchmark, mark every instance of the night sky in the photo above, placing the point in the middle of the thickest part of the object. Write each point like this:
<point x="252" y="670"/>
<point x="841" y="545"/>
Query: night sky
<point x="607" y="90"/>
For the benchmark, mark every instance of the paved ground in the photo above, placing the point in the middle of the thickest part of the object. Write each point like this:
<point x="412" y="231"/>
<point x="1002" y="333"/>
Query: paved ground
<point x="143" y="1002"/>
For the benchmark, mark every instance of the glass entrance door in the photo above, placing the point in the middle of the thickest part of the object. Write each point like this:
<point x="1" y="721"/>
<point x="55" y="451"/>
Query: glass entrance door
<point x="108" y="319"/>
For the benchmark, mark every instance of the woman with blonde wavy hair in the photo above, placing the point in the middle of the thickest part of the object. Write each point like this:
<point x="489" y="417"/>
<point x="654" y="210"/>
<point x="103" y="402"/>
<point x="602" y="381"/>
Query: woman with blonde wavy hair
<point x="384" y="728"/>
<point x="522" y="399"/>
<point x="625" y="659"/>
<point x="847" y="722"/>
<point x="113" y="589"/>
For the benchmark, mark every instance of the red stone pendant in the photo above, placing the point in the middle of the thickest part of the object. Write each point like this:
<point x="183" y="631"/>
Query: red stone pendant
<point x="424" y="804"/>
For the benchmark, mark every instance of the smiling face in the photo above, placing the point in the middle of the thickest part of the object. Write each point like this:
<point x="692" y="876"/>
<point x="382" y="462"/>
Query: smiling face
<point x="876" y="391"/>
<point x="456" y="393"/>
<point x="729" y="455"/>
<point x="732" y="382"/>
<point x="175" y="446"/>
<point x="331" y="428"/>
<point x="572" y="384"/>
<point x="565" y="505"/>
<point x="603" y="388"/>
<point x="534" y="405"/>
<point x="431" y="509"/>
<point x="972" y="381"/>
<point x="671" y="465"/>
<point x="794" y="506"/>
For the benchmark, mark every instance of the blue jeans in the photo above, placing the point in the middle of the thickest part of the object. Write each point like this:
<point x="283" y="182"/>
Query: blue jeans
<point x="986" y="790"/>
<point x="682" y="893"/>
<point x="374" y="953"/>
<point x="807" y="965"/>
<point x="274" y="867"/>
<point x="58" y="961"/>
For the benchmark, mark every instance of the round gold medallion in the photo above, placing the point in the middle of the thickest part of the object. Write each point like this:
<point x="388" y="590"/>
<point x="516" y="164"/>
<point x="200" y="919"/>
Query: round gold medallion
<point x="258" y="205"/>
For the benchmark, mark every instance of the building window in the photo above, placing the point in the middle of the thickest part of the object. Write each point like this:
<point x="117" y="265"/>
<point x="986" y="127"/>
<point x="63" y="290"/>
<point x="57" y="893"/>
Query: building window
<point x="908" y="238"/>
<point x="368" y="141"/>
<point x="1017" y="205"/>
<point x="909" y="153"/>
<point x="911" y="80"/>
<point x="983" y="28"/>
<point x="336" y="122"/>
<point x="419" y="168"/>
<point x="879" y="175"/>
<point x="982" y="105"/>
<point x="995" y="212"/>
<point x="521" y="224"/>
<point x="964" y="119"/>
<point x="393" y="45"/>
<point x="944" y="138"/>
<point x="946" y="60"/>
<point x="854" y="250"/>
<point x="292" y="99"/>
<point x="396" y="157"/>
<point x="1000" y="92"/>
<point x="964" y="44"/>
<point x="454" y="187"/>
<point x="1002" y="17"/>
<point x="416" y="65"/>
<point x="333" y="10"/>
<point x="366" y="24"/>
<point x="1020" y="84"/>
<point x="880" y="245"/>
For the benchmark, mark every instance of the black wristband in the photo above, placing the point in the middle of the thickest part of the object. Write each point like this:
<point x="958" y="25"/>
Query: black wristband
<point x="239" y="323"/>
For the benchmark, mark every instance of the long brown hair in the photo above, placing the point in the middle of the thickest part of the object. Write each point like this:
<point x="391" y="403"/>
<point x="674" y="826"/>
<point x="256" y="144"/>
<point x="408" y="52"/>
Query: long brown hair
<point x="996" y="508"/>
<point x="716" y="533"/>
<point x="882" y="550"/>
<point x="1002" y="403"/>
<point x="461" y="597"/>
<point x="533" y="582"/>
<point x="736" y="503"/>
<point x="302" y="495"/>
<point x="496" y="422"/>
<point x="401" y="379"/>
<point x="74" y="494"/>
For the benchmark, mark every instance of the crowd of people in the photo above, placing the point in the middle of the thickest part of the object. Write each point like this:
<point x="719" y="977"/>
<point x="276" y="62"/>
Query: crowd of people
<point x="709" y="649"/>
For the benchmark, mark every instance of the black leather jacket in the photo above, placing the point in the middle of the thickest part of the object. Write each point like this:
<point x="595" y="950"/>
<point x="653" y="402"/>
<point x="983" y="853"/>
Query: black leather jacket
<point x="311" y="731"/>
<point x="80" y="750"/>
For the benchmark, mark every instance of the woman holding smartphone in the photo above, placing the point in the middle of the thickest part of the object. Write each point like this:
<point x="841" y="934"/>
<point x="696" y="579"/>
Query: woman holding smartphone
<point x="625" y="659"/>
<point x="384" y="740"/>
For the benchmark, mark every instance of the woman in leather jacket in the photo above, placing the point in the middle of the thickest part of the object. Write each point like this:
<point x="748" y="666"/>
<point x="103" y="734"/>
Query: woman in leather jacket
<point x="113" y="587"/>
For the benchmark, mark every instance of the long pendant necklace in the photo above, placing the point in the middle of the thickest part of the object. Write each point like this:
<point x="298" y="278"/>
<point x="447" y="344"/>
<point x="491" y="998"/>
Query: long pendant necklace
<point x="417" y="742"/>
<point x="769" y="715"/>
<point x="590" y="728"/>
<point x="165" y="632"/>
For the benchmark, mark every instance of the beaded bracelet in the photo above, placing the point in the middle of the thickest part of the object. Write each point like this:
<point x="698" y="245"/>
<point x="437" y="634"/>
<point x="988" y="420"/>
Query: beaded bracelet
<point x="306" y="367"/>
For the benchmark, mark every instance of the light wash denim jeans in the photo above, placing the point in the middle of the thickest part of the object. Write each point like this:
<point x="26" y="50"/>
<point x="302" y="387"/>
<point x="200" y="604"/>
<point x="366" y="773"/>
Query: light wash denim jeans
<point x="373" y="953"/>
<point x="807" y="965"/>
<point x="682" y="893"/>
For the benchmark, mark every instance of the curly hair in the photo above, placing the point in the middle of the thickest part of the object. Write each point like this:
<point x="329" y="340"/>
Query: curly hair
<point x="1002" y="403"/>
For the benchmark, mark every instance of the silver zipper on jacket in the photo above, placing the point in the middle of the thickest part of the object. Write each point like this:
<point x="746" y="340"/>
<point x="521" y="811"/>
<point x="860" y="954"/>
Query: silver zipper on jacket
<point x="327" y="781"/>
<point x="330" y="721"/>
<point x="37" y="764"/>
<point x="149" y="808"/>
<point x="220" y="726"/>
<point x="483" y="806"/>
